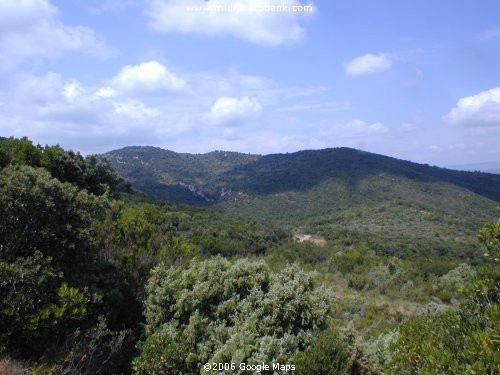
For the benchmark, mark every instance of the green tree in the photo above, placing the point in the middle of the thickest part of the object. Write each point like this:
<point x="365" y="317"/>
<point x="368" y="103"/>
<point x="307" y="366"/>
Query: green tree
<point x="93" y="173"/>
<point x="39" y="213"/>
<point x="52" y="278"/>
<point x="19" y="151"/>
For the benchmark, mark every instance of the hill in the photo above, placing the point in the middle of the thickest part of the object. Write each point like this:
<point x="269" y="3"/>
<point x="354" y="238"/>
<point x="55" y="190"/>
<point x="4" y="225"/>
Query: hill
<point x="181" y="177"/>
<point x="396" y="206"/>
<point x="307" y="182"/>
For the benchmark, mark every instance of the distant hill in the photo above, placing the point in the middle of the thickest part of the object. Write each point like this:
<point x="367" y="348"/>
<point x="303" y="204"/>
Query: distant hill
<point x="398" y="206"/>
<point x="355" y="176"/>
<point x="181" y="177"/>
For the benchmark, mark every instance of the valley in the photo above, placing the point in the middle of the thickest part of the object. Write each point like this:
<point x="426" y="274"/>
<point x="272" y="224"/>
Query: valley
<point x="337" y="254"/>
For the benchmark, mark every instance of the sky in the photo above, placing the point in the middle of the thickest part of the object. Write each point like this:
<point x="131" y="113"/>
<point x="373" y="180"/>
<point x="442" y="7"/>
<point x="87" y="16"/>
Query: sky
<point x="417" y="80"/>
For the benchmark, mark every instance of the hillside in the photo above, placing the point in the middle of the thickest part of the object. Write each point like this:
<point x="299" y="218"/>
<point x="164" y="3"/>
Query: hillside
<point x="310" y="183"/>
<point x="396" y="206"/>
<point x="182" y="177"/>
<point x="98" y="277"/>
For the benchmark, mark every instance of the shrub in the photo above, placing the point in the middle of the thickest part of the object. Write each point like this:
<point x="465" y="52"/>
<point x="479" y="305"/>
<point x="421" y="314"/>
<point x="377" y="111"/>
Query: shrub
<point x="328" y="355"/>
<point x="453" y="341"/>
<point x="218" y="311"/>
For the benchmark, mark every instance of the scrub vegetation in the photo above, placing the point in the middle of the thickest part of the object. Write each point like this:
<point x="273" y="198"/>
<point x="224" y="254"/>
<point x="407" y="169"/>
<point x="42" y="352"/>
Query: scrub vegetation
<point x="109" y="271"/>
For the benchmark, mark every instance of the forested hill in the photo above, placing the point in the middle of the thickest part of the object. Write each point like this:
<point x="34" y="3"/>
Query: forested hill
<point x="307" y="182"/>
<point x="182" y="177"/>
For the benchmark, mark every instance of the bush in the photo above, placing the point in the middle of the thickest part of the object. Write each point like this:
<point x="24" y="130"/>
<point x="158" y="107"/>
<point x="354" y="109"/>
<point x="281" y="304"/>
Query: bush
<point x="454" y="341"/>
<point x="218" y="311"/>
<point x="328" y="355"/>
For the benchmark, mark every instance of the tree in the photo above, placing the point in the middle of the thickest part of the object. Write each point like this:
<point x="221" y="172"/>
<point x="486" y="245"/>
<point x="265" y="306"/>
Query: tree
<point x="49" y="274"/>
<point x="39" y="213"/>
<point x="93" y="173"/>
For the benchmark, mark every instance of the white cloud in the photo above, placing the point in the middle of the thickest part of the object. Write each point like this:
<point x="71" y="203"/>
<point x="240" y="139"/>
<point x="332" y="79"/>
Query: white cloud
<point x="480" y="110"/>
<point x="52" y="109"/>
<point x="368" y="64"/>
<point x="105" y="92"/>
<point x="31" y="28"/>
<point x="72" y="90"/>
<point x="361" y="127"/>
<point x="229" y="110"/>
<point x="214" y="111"/>
<point x="146" y="78"/>
<point x="135" y="109"/>
<point x="266" y="28"/>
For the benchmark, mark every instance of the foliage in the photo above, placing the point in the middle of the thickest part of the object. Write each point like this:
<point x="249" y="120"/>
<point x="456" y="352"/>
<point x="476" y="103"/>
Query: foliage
<point x="280" y="173"/>
<point x="328" y="355"/>
<point x="167" y="174"/>
<point x="405" y="229"/>
<point x="448" y="285"/>
<point x="138" y="236"/>
<point x="228" y="312"/>
<point x="93" y="173"/>
<point x="399" y="208"/>
<point x="39" y="213"/>
<point x="463" y="341"/>
<point x="53" y="279"/>
<point x="490" y="237"/>
<point x="27" y="285"/>
<point x="400" y="254"/>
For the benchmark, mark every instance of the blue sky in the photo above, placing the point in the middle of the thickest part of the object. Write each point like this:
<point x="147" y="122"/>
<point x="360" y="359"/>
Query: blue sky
<point x="418" y="80"/>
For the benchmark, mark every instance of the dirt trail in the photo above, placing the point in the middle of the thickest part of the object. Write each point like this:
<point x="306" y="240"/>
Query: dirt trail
<point x="302" y="237"/>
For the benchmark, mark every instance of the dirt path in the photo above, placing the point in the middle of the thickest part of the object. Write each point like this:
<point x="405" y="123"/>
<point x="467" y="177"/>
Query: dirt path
<point x="302" y="237"/>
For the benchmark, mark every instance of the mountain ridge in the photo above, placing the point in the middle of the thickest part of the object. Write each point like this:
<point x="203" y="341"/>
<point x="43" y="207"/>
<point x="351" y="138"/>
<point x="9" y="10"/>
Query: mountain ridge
<point x="210" y="176"/>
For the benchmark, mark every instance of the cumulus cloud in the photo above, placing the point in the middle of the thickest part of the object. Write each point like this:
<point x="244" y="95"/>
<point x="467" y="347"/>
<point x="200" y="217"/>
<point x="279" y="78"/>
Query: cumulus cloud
<point x="266" y="28"/>
<point x="368" y="64"/>
<point x="32" y="28"/>
<point x="228" y="110"/>
<point x="480" y="110"/>
<point x="146" y="78"/>
<point x="215" y="110"/>
<point x="52" y="109"/>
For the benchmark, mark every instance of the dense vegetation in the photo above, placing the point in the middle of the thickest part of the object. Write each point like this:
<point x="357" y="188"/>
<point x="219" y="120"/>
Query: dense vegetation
<point x="96" y="278"/>
<point x="398" y="207"/>
<point x="221" y="312"/>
